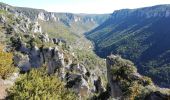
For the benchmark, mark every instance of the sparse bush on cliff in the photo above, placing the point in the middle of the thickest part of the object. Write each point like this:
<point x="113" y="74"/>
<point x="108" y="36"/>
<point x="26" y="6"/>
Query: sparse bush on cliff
<point x="6" y="66"/>
<point x="37" y="85"/>
<point x="131" y="83"/>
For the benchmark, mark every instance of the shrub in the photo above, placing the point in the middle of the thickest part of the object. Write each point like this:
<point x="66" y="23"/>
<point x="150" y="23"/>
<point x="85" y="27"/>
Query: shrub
<point x="6" y="66"/>
<point x="134" y="90"/>
<point x="132" y="87"/>
<point x="147" y="81"/>
<point x="37" y="85"/>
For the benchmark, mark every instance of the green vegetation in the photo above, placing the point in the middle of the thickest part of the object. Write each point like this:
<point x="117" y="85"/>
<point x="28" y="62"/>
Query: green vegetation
<point x="6" y="63"/>
<point x="38" y="85"/>
<point x="133" y="85"/>
<point x="58" y="30"/>
<point x="145" y="41"/>
<point x="3" y="11"/>
<point x="89" y="59"/>
<point x="125" y="73"/>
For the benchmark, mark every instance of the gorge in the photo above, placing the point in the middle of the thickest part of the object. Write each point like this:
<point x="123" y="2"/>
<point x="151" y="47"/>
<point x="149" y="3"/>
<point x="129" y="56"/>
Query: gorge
<point x="54" y="60"/>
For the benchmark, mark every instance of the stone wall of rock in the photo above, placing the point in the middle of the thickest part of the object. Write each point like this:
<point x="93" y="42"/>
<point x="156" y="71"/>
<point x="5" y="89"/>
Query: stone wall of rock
<point x="116" y="91"/>
<point x="76" y="76"/>
<point x="117" y="66"/>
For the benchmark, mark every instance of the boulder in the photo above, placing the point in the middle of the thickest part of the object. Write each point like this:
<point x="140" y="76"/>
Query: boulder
<point x="78" y="83"/>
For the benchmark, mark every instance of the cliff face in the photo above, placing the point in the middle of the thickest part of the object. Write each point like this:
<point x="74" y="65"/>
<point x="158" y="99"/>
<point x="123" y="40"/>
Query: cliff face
<point x="148" y="12"/>
<point x="77" y="23"/>
<point x="116" y="91"/>
<point x="126" y="84"/>
<point x="33" y="48"/>
<point x="80" y="70"/>
<point x="140" y="35"/>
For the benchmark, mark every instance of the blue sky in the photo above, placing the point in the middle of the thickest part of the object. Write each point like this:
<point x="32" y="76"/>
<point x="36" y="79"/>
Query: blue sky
<point x="84" y="6"/>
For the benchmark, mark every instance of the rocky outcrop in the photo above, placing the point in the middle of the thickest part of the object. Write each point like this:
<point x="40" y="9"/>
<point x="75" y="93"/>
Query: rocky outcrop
<point x="28" y="55"/>
<point x="36" y="28"/>
<point x="41" y="16"/>
<point x="35" y="57"/>
<point x="75" y="75"/>
<point x="20" y="24"/>
<point x="126" y="84"/>
<point x="22" y="61"/>
<point x="4" y="6"/>
<point x="99" y="85"/>
<point x="78" y="83"/>
<point x="116" y="91"/>
<point x="65" y="18"/>
<point x="44" y="37"/>
<point x="79" y="68"/>
<point x="55" y="61"/>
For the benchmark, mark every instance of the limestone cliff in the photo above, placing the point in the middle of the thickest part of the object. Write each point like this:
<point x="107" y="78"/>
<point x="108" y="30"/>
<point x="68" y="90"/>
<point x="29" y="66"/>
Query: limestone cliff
<point x="126" y="84"/>
<point x="33" y="48"/>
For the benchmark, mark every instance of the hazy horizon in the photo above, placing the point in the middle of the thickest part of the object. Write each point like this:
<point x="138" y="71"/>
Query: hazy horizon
<point x="84" y="6"/>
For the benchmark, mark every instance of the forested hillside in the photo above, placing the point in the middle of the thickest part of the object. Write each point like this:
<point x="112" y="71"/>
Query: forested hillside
<point x="141" y="35"/>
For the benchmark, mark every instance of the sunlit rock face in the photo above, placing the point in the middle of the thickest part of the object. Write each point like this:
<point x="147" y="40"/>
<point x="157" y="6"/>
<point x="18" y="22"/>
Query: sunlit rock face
<point x="36" y="57"/>
<point x="41" y="16"/>
<point x="75" y="76"/>
<point x="150" y="12"/>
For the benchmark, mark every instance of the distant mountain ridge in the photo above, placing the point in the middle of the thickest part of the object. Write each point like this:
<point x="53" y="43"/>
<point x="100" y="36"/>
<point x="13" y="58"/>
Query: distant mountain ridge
<point x="141" y="35"/>
<point x="78" y="23"/>
<point x="147" y="12"/>
<point x="46" y="48"/>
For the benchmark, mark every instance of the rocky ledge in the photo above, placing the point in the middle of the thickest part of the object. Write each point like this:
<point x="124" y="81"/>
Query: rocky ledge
<point x="126" y="84"/>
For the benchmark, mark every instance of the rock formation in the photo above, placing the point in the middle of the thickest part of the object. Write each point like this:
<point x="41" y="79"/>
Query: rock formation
<point x="126" y="84"/>
<point x="116" y="91"/>
<point x="33" y="49"/>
